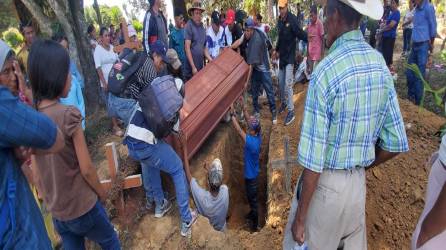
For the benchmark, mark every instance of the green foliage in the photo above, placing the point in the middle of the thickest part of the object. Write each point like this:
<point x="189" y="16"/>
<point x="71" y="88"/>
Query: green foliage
<point x="443" y="55"/>
<point x="110" y="15"/>
<point x="437" y="94"/>
<point x="137" y="25"/>
<point x="13" y="37"/>
<point x="7" y="20"/>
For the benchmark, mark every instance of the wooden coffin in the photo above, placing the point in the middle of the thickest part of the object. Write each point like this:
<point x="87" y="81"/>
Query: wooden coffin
<point x="209" y="95"/>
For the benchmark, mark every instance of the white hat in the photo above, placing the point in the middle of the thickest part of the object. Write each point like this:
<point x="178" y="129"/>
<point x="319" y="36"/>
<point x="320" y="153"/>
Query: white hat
<point x="371" y="8"/>
<point x="131" y="30"/>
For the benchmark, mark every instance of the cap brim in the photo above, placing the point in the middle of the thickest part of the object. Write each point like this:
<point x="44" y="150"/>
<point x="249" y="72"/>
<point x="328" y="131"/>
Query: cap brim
<point x="195" y="8"/>
<point x="371" y="8"/>
<point x="177" y="64"/>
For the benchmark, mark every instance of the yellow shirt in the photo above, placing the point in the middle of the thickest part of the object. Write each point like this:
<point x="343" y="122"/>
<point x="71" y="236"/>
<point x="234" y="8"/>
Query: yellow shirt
<point x="22" y="57"/>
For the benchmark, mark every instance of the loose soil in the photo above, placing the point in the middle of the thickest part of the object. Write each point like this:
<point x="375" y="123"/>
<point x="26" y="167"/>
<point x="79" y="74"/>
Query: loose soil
<point x="395" y="190"/>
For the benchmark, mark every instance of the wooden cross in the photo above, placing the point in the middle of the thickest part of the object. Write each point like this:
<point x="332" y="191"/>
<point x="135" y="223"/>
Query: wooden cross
<point x="287" y="163"/>
<point x="131" y="181"/>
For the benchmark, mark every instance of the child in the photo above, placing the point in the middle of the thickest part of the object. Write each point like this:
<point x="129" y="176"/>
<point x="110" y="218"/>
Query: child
<point x="253" y="141"/>
<point x="67" y="180"/>
<point x="315" y="40"/>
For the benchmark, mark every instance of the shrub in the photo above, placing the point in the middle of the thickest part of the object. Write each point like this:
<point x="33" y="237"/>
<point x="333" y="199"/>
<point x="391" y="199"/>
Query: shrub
<point x="13" y="37"/>
<point x="137" y="25"/>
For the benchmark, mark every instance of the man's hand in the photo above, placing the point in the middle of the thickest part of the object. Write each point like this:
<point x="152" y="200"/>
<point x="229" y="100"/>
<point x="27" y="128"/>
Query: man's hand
<point x="23" y="153"/>
<point x="298" y="230"/>
<point x="194" y="71"/>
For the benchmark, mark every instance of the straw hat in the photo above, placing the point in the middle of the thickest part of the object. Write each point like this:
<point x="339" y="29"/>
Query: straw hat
<point x="371" y="8"/>
<point x="196" y="5"/>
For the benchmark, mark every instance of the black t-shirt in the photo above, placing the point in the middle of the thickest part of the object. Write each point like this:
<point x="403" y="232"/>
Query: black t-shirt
<point x="237" y="32"/>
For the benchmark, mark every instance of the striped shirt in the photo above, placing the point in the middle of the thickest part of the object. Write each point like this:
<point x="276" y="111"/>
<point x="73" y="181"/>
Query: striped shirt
<point x="144" y="76"/>
<point x="351" y="106"/>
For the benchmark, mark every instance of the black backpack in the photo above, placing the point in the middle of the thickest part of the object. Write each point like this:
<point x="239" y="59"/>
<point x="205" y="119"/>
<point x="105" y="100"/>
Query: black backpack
<point x="160" y="102"/>
<point x="123" y="71"/>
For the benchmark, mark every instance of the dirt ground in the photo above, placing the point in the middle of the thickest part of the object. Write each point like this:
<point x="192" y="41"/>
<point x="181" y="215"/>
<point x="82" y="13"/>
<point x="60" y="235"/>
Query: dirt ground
<point x="395" y="190"/>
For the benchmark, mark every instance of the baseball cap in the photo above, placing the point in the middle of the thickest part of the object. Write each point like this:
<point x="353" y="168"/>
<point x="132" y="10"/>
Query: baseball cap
<point x="131" y="30"/>
<point x="215" y="17"/>
<point x="230" y="17"/>
<point x="160" y="49"/>
<point x="215" y="174"/>
<point x="172" y="57"/>
<point x="250" y="23"/>
<point x="254" y="123"/>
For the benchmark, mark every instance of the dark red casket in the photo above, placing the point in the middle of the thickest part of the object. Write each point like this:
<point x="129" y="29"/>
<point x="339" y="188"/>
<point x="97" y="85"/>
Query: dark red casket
<point x="209" y="95"/>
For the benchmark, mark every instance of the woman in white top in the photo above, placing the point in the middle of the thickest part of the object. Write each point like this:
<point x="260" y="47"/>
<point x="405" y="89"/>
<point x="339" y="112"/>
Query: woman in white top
<point x="104" y="58"/>
<point x="407" y="28"/>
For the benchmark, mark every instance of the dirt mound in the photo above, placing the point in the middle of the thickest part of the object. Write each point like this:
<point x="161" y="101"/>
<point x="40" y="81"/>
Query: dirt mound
<point x="395" y="190"/>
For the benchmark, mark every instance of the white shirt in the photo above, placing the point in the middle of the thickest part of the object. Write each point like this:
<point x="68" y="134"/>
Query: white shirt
<point x="104" y="59"/>
<point x="214" y="42"/>
<point x="409" y="15"/>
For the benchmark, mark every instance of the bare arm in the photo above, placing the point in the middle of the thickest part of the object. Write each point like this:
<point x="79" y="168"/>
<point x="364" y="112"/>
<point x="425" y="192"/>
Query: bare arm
<point x="207" y="55"/>
<point x="101" y="77"/>
<point x="237" y="43"/>
<point x="382" y="156"/>
<point x="389" y="26"/>
<point x="310" y="181"/>
<point x="435" y="221"/>
<point x="238" y="128"/>
<point x="187" y="45"/>
<point x="88" y="171"/>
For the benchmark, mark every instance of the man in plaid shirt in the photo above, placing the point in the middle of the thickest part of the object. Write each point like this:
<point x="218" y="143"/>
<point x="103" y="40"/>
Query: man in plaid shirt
<point x="352" y="122"/>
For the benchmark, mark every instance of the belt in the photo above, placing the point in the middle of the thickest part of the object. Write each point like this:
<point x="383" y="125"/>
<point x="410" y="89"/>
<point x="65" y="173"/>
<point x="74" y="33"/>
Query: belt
<point x="419" y="43"/>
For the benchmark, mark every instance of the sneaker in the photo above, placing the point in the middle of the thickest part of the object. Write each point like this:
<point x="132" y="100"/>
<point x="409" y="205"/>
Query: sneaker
<point x="282" y="108"/>
<point x="186" y="227"/>
<point x="149" y="204"/>
<point x="289" y="118"/>
<point x="274" y="117"/>
<point x="161" y="210"/>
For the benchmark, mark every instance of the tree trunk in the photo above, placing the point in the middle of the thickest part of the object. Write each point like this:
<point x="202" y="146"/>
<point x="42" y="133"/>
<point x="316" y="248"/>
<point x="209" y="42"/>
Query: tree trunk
<point x="71" y="16"/>
<point x="269" y="11"/>
<point x="98" y="12"/>
<point x="37" y="13"/>
<point x="85" y="56"/>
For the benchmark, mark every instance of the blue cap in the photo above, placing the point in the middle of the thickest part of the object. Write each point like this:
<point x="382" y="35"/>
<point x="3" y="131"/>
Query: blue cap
<point x="160" y="49"/>
<point x="250" y="23"/>
<point x="254" y="124"/>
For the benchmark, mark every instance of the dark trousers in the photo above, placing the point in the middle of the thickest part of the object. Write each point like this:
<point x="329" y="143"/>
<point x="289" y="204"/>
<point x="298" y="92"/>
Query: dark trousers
<point x="251" y="193"/>
<point x="387" y="48"/>
<point x="407" y="36"/>
<point x="259" y="80"/>
<point x="93" y="225"/>
<point x="419" y="56"/>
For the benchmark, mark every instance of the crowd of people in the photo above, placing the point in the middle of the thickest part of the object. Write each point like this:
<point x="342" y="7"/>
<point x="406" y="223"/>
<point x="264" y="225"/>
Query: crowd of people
<point x="352" y="121"/>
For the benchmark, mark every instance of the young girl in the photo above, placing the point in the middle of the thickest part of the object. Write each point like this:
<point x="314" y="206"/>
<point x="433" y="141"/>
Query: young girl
<point x="67" y="180"/>
<point x="315" y="40"/>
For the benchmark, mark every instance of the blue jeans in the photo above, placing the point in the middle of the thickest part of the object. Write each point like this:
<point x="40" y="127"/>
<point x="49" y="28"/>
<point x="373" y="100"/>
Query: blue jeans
<point x="264" y="79"/>
<point x="419" y="56"/>
<point x="122" y="107"/>
<point x="93" y="225"/>
<point x="161" y="157"/>
<point x="286" y="80"/>
<point x="407" y="35"/>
